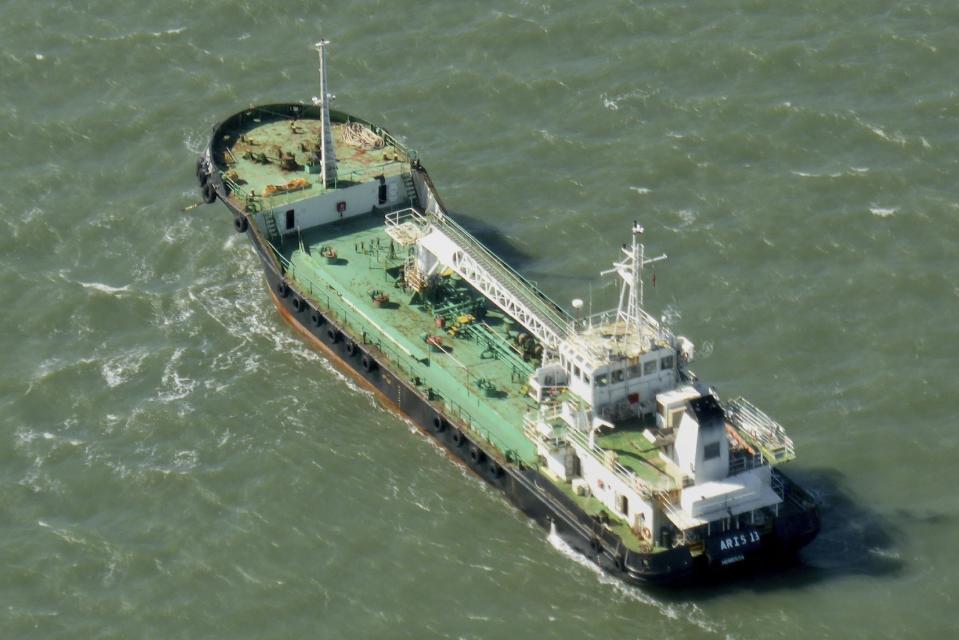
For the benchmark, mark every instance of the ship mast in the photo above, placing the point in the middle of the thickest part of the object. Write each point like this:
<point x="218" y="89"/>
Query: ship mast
<point x="631" y="291"/>
<point x="328" y="170"/>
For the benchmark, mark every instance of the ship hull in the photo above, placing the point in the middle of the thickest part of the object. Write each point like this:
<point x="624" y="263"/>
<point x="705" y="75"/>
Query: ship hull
<point x="524" y="487"/>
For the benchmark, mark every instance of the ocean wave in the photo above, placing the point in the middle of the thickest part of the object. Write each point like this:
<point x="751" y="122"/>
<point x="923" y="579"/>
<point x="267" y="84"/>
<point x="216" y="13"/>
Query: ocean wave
<point x="688" y="612"/>
<point x="104" y="288"/>
<point x="195" y="141"/>
<point x="119" y="369"/>
<point x="806" y="174"/>
<point x="882" y="212"/>
<point x="178" y="387"/>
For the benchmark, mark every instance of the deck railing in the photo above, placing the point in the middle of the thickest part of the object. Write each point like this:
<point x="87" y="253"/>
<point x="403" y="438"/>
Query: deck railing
<point x="401" y="360"/>
<point x="623" y="473"/>
<point x="469" y="242"/>
<point x="760" y="430"/>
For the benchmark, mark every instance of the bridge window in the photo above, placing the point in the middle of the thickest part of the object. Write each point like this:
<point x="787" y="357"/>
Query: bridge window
<point x="711" y="451"/>
<point x="649" y="368"/>
<point x="290" y="220"/>
<point x="618" y="375"/>
<point x="667" y="363"/>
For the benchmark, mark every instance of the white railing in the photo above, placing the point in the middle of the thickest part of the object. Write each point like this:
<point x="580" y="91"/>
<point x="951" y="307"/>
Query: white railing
<point x="766" y="433"/>
<point x="396" y="218"/>
<point x="600" y="455"/>
<point x="606" y="317"/>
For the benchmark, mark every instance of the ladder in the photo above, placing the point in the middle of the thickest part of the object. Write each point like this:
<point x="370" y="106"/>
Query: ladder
<point x="271" y="231"/>
<point x="410" y="188"/>
<point x="515" y="295"/>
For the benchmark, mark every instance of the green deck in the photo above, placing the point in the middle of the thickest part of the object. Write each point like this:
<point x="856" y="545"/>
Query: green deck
<point x="479" y="380"/>
<point x="355" y="164"/>
<point x="634" y="451"/>
<point x="594" y="507"/>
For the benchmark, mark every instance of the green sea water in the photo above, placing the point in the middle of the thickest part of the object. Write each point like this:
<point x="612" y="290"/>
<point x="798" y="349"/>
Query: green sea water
<point x="176" y="463"/>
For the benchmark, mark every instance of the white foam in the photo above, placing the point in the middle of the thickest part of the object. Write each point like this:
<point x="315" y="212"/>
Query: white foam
<point x="671" y="315"/>
<point x="195" y="142"/>
<point x="805" y="174"/>
<point x="609" y="104"/>
<point x="617" y="585"/>
<point x="687" y="216"/>
<point x="118" y="370"/>
<point x="705" y="350"/>
<point x="547" y="136"/>
<point x="179" y="387"/>
<point x="104" y="288"/>
<point x="640" y="190"/>
<point x="882" y="212"/>
<point x="168" y="32"/>
<point x="889" y="554"/>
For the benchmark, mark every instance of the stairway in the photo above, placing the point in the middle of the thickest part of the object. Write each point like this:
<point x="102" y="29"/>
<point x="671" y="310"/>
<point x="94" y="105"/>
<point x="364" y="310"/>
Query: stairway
<point x="518" y="297"/>
<point x="271" y="231"/>
<point x="410" y="188"/>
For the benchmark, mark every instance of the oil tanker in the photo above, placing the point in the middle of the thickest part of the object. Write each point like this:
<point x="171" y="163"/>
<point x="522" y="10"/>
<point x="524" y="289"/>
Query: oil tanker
<point x="593" y="424"/>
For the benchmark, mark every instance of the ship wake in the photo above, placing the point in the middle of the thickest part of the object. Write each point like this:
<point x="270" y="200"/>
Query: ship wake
<point x="688" y="612"/>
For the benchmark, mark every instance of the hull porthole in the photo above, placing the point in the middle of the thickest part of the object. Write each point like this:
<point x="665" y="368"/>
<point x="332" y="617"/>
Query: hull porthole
<point x="457" y="437"/>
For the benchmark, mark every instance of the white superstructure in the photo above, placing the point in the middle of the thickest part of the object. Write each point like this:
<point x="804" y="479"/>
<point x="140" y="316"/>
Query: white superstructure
<point x="621" y="418"/>
<point x="628" y="395"/>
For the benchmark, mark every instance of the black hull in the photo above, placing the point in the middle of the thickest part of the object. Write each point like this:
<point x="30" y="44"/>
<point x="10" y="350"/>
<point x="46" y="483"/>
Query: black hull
<point x="526" y="488"/>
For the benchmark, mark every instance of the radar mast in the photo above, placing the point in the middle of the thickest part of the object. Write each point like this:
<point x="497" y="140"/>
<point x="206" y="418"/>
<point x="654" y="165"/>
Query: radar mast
<point x="630" y="310"/>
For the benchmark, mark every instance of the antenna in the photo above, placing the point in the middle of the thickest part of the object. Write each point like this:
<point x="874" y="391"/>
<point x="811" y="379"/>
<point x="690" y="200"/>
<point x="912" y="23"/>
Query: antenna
<point x="328" y="163"/>
<point x="631" y="290"/>
<point x="589" y="309"/>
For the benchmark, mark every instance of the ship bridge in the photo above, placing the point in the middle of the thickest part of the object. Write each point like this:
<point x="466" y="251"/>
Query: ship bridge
<point x="452" y="246"/>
